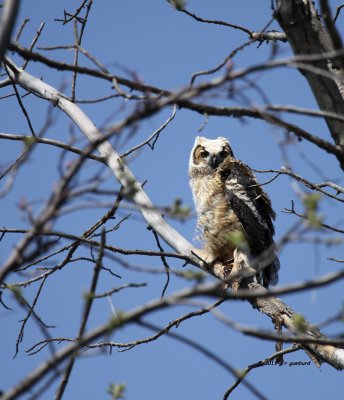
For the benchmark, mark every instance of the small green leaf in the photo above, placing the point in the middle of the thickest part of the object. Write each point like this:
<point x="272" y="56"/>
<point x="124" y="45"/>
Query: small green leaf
<point x="299" y="323"/>
<point x="116" y="391"/>
<point x="198" y="276"/>
<point x="16" y="290"/>
<point x="237" y="240"/>
<point x="118" y="319"/>
<point x="177" y="210"/>
<point x="178" y="4"/>
<point x="311" y="203"/>
<point x="29" y="141"/>
<point x="240" y="373"/>
<point x="87" y="295"/>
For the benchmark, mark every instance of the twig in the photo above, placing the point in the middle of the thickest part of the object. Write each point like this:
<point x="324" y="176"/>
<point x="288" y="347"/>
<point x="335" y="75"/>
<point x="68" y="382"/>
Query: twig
<point x="305" y="111"/>
<point x="21" y="105"/>
<point x="207" y="353"/>
<point x="91" y="242"/>
<point x="50" y="142"/>
<point x="72" y="16"/>
<point x="166" y="266"/>
<point x="313" y="186"/>
<point x="310" y="335"/>
<point x="78" y="40"/>
<point x="221" y="64"/>
<point x="272" y="35"/>
<point x="20" y="30"/>
<point x="165" y="330"/>
<point x="154" y="135"/>
<point x="32" y="45"/>
<point x="215" y="22"/>
<point x="31" y="310"/>
<point x="118" y="289"/>
<point x="86" y="314"/>
<point x="257" y="365"/>
<point x="338" y="10"/>
<point x="304" y="216"/>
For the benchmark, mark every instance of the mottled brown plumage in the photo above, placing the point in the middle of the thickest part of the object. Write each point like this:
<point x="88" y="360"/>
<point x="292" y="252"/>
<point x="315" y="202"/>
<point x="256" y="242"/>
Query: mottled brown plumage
<point x="233" y="210"/>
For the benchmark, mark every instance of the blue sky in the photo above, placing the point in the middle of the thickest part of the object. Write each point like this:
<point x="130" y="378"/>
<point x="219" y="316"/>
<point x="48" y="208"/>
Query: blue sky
<point x="164" y="48"/>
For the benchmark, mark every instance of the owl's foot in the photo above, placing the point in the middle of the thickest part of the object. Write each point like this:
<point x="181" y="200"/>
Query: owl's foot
<point x="206" y="259"/>
<point x="241" y="269"/>
<point x="218" y="267"/>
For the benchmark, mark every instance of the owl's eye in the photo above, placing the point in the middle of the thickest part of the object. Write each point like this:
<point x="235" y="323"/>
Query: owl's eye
<point x="223" y="153"/>
<point x="204" y="154"/>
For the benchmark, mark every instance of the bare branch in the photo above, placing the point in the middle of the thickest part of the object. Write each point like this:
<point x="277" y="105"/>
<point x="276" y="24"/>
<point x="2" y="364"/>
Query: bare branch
<point x="34" y="41"/>
<point x="313" y="186"/>
<point x="31" y="310"/>
<point x="257" y="365"/>
<point x="50" y="142"/>
<point x="7" y="21"/>
<point x="206" y="353"/>
<point x="305" y="111"/>
<point x="118" y="289"/>
<point x="338" y="10"/>
<point x="85" y="316"/>
<point x="154" y="135"/>
<point x="21" y="105"/>
<point x="165" y="330"/>
<point x="215" y="22"/>
<point x="132" y="316"/>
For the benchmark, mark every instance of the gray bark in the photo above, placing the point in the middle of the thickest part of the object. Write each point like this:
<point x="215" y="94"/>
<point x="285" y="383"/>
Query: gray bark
<point x="7" y="21"/>
<point x="307" y="35"/>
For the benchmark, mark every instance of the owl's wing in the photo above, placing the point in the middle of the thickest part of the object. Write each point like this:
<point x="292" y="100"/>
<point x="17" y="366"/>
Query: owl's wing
<point x="253" y="209"/>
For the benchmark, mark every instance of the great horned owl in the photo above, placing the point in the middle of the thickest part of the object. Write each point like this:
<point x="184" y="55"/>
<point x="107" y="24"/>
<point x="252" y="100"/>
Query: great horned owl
<point x="233" y="210"/>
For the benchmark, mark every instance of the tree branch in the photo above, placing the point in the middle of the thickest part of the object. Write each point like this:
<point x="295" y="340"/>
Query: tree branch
<point x="7" y="21"/>
<point x="272" y="307"/>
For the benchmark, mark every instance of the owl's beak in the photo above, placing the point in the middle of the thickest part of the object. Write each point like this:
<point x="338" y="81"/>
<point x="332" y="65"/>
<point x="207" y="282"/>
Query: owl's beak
<point x="213" y="162"/>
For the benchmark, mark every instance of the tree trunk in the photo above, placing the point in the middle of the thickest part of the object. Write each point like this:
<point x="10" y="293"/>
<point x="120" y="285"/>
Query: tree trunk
<point x="307" y="35"/>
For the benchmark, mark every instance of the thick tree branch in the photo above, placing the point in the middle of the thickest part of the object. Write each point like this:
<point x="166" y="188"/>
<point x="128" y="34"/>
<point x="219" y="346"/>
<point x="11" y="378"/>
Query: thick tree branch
<point x="306" y="35"/>
<point x="7" y="21"/>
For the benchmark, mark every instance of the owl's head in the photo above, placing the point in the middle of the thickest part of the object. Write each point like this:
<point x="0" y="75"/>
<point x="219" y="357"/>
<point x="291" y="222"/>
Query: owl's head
<point x="208" y="154"/>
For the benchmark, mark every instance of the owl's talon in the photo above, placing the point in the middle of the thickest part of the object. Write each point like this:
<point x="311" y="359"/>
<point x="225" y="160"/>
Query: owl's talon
<point x="205" y="258"/>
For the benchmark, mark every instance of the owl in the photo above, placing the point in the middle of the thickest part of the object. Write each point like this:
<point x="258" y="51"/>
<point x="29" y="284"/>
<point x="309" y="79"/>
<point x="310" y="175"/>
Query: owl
<point x="233" y="210"/>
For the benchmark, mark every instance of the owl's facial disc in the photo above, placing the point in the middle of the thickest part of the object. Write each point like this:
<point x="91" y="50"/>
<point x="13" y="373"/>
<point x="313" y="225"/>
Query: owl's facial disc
<point x="210" y="154"/>
<point x="212" y="158"/>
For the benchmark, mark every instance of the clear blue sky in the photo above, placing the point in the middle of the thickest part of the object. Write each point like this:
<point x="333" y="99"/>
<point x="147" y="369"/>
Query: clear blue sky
<point x="165" y="47"/>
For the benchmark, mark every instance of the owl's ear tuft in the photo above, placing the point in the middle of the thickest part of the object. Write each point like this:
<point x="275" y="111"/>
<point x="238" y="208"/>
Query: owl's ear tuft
<point x="224" y="141"/>
<point x="199" y="140"/>
<point x="226" y="144"/>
